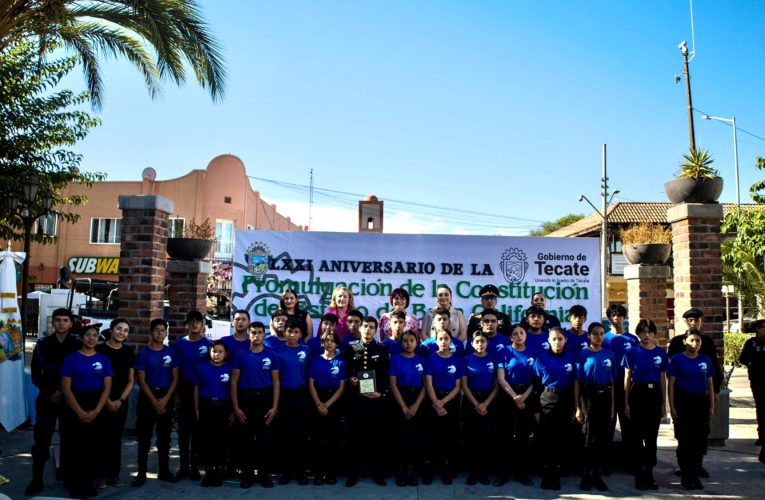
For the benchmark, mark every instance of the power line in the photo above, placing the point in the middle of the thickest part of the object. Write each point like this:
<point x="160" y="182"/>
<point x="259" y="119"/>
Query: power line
<point x="731" y="126"/>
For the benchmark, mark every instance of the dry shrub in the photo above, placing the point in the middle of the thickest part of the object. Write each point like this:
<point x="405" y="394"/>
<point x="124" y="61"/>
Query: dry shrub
<point x="645" y="232"/>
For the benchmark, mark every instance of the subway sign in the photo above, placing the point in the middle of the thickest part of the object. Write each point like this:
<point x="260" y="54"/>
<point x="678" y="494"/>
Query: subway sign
<point x="94" y="265"/>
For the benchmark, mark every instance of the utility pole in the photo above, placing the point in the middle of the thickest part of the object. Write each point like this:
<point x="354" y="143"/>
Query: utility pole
<point x="310" y="202"/>
<point x="687" y="73"/>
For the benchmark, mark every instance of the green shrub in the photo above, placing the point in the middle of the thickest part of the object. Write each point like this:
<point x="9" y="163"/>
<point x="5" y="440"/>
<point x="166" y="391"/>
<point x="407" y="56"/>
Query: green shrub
<point x="734" y="342"/>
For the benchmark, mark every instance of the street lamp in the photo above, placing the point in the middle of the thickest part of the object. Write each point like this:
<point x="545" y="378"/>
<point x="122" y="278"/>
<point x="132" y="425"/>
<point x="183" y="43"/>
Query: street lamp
<point x="24" y="208"/>
<point x="603" y="245"/>
<point x="732" y="122"/>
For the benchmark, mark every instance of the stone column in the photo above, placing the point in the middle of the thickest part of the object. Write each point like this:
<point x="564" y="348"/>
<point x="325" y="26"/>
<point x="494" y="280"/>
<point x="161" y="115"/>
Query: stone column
<point x="142" y="261"/>
<point x="697" y="265"/>
<point x="647" y="296"/>
<point x="187" y="289"/>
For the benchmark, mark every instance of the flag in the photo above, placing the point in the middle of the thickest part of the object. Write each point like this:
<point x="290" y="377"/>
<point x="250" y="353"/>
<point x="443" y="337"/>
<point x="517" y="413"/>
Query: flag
<point x="13" y="407"/>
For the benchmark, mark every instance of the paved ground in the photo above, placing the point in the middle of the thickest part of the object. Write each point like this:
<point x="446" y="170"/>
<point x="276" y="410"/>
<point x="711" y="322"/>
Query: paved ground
<point x="735" y="470"/>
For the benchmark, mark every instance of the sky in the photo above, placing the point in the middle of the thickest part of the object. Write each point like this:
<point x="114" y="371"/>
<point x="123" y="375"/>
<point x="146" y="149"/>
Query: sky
<point x="483" y="117"/>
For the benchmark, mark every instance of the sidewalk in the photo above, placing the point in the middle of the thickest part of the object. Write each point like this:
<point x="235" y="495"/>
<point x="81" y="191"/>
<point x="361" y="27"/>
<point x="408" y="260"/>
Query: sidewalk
<point x="735" y="471"/>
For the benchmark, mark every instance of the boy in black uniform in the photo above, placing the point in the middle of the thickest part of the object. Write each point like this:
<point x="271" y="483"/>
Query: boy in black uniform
<point x="366" y="438"/>
<point x="489" y="295"/>
<point x="47" y="359"/>
<point x="753" y="357"/>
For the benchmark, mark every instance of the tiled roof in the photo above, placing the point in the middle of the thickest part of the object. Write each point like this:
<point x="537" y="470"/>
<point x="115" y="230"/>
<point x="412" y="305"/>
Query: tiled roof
<point x="630" y="212"/>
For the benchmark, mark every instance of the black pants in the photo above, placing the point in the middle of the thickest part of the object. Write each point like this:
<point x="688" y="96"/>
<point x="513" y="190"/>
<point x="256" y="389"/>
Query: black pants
<point x="114" y="424"/>
<point x="555" y="426"/>
<point x="254" y="439"/>
<point x="758" y="392"/>
<point x="48" y="414"/>
<point x="514" y="431"/>
<point x="146" y="419"/>
<point x="624" y="456"/>
<point x="292" y="428"/>
<point x="366" y="435"/>
<point x="187" y="425"/>
<point x="326" y="432"/>
<point x="82" y="445"/>
<point x="691" y="431"/>
<point x="596" y="403"/>
<point x="214" y="415"/>
<point x="646" y="407"/>
<point x="407" y="433"/>
<point x="479" y="431"/>
<point x="443" y="432"/>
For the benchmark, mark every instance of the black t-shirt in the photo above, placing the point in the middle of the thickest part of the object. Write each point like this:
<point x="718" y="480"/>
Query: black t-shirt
<point x="122" y="361"/>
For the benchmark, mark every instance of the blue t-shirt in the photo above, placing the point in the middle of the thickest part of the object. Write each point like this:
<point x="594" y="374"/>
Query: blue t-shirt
<point x="481" y="372"/>
<point x="620" y="344"/>
<point x="233" y="346"/>
<point x="255" y="368"/>
<point x="275" y="343"/>
<point x="597" y="368"/>
<point x="647" y="365"/>
<point x="576" y="343"/>
<point x="518" y="365"/>
<point x="538" y="343"/>
<point x="191" y="354"/>
<point x="293" y="366"/>
<point x="87" y="372"/>
<point x="314" y="344"/>
<point x="157" y="365"/>
<point x="393" y="347"/>
<point x="496" y="344"/>
<point x="214" y="381"/>
<point x="409" y="372"/>
<point x="327" y="373"/>
<point x="691" y="374"/>
<point x="430" y="346"/>
<point x="555" y="370"/>
<point x="445" y="371"/>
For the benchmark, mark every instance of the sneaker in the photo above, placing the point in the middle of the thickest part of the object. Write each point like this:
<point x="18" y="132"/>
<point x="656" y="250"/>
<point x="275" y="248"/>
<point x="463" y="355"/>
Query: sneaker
<point x="115" y="481"/>
<point x="139" y="480"/>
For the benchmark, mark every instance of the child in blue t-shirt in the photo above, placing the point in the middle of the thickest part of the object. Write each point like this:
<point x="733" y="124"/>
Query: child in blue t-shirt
<point x="692" y="404"/>
<point x="212" y="402"/>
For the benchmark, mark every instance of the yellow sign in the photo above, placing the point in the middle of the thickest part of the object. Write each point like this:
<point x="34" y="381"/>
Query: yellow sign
<point x="94" y="265"/>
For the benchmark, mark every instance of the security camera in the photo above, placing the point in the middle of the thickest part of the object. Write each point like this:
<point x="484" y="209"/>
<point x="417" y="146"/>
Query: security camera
<point x="678" y="78"/>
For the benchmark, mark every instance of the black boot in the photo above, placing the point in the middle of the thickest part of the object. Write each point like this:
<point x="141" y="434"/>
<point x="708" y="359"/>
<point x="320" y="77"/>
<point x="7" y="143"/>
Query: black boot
<point x="400" y="476"/>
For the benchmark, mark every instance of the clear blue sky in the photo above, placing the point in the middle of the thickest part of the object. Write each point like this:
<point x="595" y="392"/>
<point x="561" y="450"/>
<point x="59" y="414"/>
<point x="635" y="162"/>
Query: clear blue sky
<point x="496" y="107"/>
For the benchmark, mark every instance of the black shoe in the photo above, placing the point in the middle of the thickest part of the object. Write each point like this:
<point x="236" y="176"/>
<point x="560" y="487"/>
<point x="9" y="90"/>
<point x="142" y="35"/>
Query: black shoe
<point x="400" y="477"/>
<point x="446" y="478"/>
<point x="703" y="474"/>
<point x="678" y="472"/>
<point x="302" y="480"/>
<point x="687" y="483"/>
<point x="318" y="480"/>
<point x="651" y="483"/>
<point x="524" y="479"/>
<point x="483" y="479"/>
<point x="640" y="482"/>
<point x="597" y="482"/>
<point x="285" y="479"/>
<point x="34" y="488"/>
<point x="500" y="480"/>
<point x="696" y="484"/>
<point x="266" y="481"/>
<point x="207" y="481"/>
<point x="167" y="477"/>
<point x="547" y="483"/>
<point x="411" y="478"/>
<point x="330" y="479"/>
<point x="351" y="481"/>
<point x="758" y="442"/>
<point x="182" y="473"/>
<point x="194" y="474"/>
<point x="90" y="491"/>
<point x="585" y="484"/>
<point x="246" y="479"/>
<point x="378" y="480"/>
<point x="472" y="479"/>
<point x="139" y="480"/>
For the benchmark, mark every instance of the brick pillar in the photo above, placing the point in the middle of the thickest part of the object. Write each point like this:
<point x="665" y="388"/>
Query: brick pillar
<point x="187" y="289"/>
<point x="647" y="296"/>
<point x="142" y="261"/>
<point x="697" y="265"/>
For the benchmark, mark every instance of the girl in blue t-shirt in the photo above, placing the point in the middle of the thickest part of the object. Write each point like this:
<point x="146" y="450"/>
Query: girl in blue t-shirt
<point x="479" y="388"/>
<point x="519" y="407"/>
<point x="86" y="380"/>
<point x="692" y="404"/>
<point x="326" y="384"/>
<point x="443" y="374"/>
<point x="407" y="371"/>
<point x="212" y="403"/>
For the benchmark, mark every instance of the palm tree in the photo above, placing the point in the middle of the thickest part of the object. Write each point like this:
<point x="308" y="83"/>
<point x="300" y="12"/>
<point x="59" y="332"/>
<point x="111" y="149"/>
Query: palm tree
<point x="173" y="30"/>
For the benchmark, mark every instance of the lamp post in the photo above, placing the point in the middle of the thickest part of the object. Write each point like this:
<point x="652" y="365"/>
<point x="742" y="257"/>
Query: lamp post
<point x="24" y="208"/>
<point x="732" y="122"/>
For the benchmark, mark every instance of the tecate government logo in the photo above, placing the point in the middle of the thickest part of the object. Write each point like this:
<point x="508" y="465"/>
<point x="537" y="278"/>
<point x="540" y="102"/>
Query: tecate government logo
<point x="514" y="265"/>
<point x="257" y="256"/>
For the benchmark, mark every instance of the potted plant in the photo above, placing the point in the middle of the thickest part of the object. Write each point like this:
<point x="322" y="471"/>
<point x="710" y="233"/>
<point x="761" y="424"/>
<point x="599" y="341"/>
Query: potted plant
<point x="697" y="181"/>
<point x="646" y="243"/>
<point x="197" y="241"/>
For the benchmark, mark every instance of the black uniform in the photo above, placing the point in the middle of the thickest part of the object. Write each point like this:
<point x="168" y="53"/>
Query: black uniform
<point x="753" y="357"/>
<point x="503" y="323"/>
<point x="47" y="358"/>
<point x="366" y="416"/>
<point x="708" y="348"/>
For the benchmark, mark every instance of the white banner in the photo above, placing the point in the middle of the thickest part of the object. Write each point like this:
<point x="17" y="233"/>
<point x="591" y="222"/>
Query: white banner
<point x="371" y="265"/>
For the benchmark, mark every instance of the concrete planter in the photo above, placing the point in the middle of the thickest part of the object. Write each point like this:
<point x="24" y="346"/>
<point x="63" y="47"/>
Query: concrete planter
<point x="647" y="253"/>
<point x="719" y="426"/>
<point x="694" y="190"/>
<point x="189" y="248"/>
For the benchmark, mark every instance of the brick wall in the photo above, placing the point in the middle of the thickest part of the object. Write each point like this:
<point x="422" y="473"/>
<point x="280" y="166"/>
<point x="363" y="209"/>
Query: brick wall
<point x="647" y="296"/>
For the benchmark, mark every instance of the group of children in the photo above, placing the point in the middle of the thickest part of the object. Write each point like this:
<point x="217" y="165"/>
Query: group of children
<point x="287" y="403"/>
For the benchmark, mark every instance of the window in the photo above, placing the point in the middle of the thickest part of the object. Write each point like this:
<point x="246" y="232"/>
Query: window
<point x="105" y="230"/>
<point x="176" y="227"/>
<point x="224" y="236"/>
<point x="46" y="225"/>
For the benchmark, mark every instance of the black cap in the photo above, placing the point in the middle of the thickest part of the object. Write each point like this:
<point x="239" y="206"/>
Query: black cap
<point x="693" y="313"/>
<point x="194" y="315"/>
<point x="489" y="291"/>
<point x="89" y="326"/>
